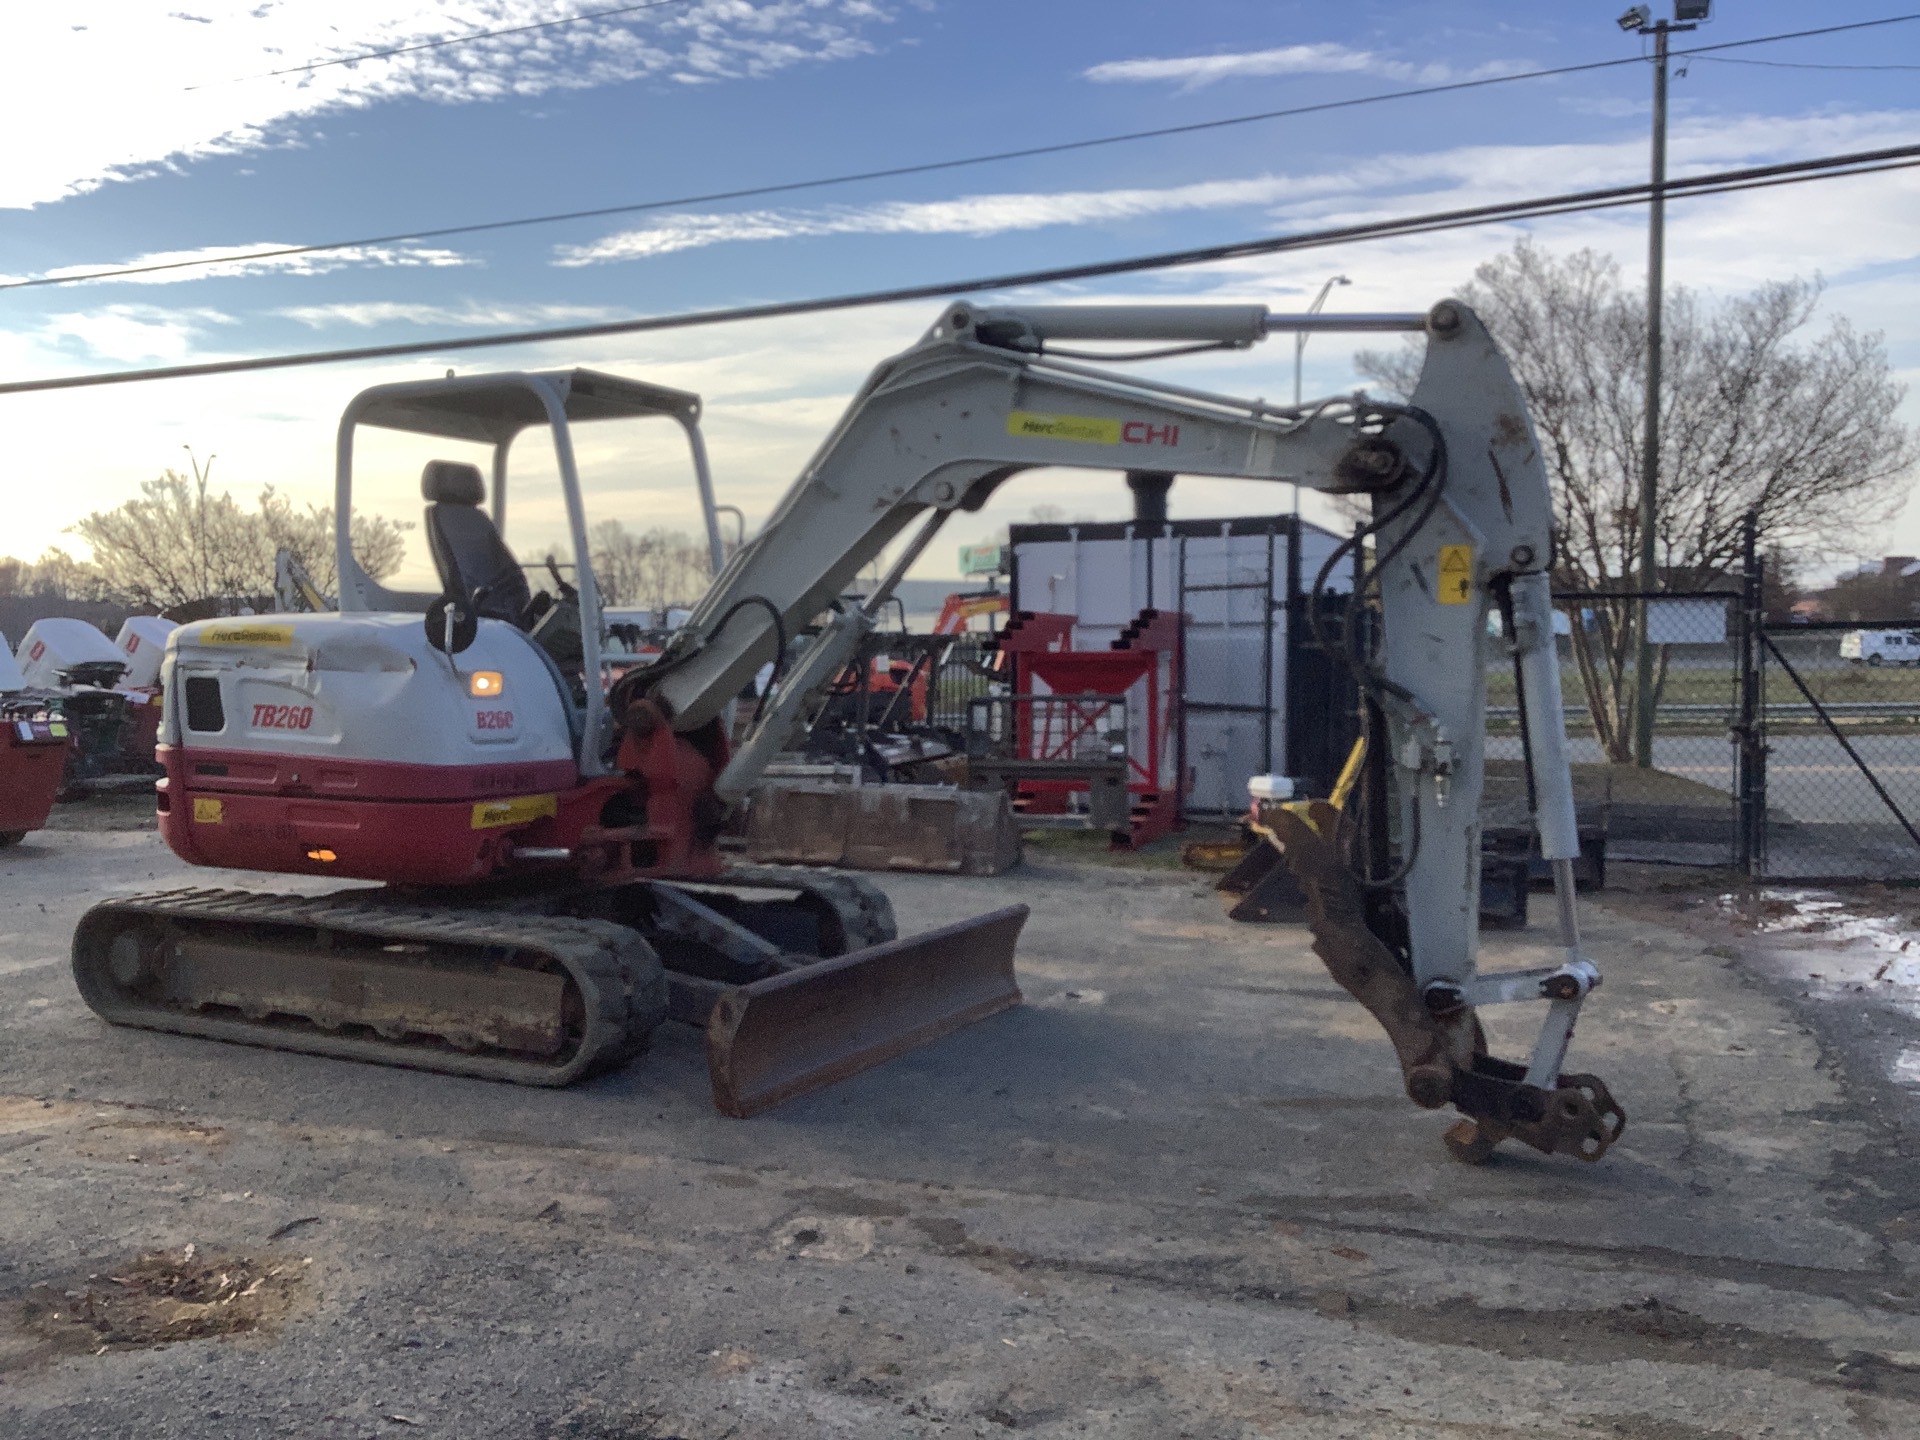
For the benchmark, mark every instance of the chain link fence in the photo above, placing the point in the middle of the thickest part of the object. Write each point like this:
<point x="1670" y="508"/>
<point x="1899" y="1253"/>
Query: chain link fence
<point x="1839" y="722"/>
<point x="1683" y="809"/>
<point x="1788" y="751"/>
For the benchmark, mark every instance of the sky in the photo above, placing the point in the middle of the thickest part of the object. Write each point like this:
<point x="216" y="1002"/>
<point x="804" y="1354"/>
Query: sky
<point x="145" y="135"/>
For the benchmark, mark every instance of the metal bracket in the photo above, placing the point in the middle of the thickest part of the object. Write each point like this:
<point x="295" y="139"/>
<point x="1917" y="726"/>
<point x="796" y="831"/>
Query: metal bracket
<point x="678" y="913"/>
<point x="1571" y="981"/>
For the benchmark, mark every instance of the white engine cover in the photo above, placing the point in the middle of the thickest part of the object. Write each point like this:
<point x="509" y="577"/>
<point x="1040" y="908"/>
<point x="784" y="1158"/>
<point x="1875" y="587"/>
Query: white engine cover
<point x="51" y="646"/>
<point x="10" y="676"/>
<point x="142" y="643"/>
<point x="365" y="687"/>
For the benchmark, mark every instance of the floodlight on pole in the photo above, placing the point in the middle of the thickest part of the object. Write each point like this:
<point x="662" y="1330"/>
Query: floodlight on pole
<point x="1687" y="15"/>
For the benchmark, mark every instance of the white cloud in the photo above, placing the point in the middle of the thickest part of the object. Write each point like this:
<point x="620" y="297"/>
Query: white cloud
<point x="132" y="334"/>
<point x="369" y="313"/>
<point x="773" y="389"/>
<point x="1324" y="58"/>
<point x="1374" y="188"/>
<point x="101" y="90"/>
<point x="205" y="262"/>
<point x="968" y="215"/>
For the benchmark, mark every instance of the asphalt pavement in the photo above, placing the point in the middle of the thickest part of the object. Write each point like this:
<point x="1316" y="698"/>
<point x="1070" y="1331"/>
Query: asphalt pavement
<point x="1176" y="1193"/>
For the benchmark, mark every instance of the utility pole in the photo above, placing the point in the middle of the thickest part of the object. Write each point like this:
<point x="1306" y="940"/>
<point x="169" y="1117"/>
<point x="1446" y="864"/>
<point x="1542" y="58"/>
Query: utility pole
<point x="1640" y="21"/>
<point x="1299" y="352"/>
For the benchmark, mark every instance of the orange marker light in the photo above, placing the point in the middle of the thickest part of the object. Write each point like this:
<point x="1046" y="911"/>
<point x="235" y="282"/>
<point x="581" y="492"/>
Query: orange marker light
<point x="325" y="857"/>
<point x="485" y="684"/>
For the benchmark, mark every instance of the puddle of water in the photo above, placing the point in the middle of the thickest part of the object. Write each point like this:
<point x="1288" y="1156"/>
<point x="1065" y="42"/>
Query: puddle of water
<point x="1860" y="949"/>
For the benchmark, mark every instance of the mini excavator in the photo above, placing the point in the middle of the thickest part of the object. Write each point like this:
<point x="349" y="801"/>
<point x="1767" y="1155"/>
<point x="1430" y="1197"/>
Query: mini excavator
<point x="553" y="889"/>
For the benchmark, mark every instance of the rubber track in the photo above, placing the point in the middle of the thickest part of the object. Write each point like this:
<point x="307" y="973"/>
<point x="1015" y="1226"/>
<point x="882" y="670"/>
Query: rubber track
<point x="866" y="914"/>
<point x="620" y="979"/>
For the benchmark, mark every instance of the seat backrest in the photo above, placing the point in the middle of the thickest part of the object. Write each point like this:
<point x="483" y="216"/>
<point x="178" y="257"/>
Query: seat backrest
<point x="467" y="550"/>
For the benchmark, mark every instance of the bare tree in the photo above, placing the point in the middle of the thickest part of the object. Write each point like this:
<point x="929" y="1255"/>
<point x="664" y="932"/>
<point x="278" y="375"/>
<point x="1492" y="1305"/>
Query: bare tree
<point x="179" y="542"/>
<point x="656" y="570"/>
<point x="56" y="575"/>
<point x="1756" y="419"/>
<point x="379" y="544"/>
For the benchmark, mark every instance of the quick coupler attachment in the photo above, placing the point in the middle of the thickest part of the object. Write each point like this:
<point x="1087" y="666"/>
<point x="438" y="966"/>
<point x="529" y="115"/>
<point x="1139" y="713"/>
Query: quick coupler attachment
<point x="1436" y="1035"/>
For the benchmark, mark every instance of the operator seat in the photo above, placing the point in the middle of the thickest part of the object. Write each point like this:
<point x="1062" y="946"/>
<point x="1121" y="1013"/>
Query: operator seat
<point x="467" y="549"/>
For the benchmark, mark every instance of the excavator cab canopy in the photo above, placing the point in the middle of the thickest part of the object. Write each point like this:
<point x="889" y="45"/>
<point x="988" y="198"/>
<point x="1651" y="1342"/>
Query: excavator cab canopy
<point x="493" y="410"/>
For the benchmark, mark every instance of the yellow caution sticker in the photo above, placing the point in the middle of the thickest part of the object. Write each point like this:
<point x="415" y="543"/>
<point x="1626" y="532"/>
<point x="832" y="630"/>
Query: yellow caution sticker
<point x="1456" y="574"/>
<point x="492" y="814"/>
<point x="247" y="635"/>
<point x="209" y="812"/>
<point x="1088" y="429"/>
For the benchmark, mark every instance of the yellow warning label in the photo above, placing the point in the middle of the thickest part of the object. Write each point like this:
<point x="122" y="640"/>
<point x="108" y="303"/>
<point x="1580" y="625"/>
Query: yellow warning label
<point x="1089" y="429"/>
<point x="247" y="635"/>
<point x="492" y="814"/>
<point x="209" y="812"/>
<point x="1456" y="574"/>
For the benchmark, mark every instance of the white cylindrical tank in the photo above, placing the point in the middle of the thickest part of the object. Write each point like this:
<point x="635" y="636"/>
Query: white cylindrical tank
<point x="51" y="646"/>
<point x="142" y="643"/>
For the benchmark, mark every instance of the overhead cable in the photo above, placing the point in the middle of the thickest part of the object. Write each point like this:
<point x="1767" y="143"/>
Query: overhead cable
<point x="1796" y="64"/>
<point x="1719" y="182"/>
<point x="897" y="171"/>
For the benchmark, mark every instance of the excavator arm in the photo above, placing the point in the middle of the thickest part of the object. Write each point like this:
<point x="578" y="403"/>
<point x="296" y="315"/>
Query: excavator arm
<point x="1461" y="525"/>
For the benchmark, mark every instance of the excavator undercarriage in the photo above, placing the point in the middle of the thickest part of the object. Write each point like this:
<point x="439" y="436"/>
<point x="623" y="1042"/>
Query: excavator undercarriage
<point x="797" y="979"/>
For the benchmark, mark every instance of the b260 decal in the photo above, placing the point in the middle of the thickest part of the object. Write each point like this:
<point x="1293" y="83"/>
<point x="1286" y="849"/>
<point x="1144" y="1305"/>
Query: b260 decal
<point x="283" y="717"/>
<point x="493" y="719"/>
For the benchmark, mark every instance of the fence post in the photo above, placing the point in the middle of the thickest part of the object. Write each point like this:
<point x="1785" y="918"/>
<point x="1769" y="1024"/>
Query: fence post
<point x="1749" y="729"/>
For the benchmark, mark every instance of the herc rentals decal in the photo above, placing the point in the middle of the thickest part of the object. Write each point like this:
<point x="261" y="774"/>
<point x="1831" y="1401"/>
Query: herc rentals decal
<point x="240" y="634"/>
<point x="1090" y="429"/>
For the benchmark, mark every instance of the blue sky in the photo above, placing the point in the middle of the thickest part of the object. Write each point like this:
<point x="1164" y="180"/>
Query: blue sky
<point x="152" y="133"/>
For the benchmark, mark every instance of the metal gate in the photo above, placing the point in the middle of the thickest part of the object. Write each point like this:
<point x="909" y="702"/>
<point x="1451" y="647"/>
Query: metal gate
<point x="1786" y="751"/>
<point x="1232" y="722"/>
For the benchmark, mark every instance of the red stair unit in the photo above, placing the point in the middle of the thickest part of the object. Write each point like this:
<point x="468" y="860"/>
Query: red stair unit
<point x="1143" y="665"/>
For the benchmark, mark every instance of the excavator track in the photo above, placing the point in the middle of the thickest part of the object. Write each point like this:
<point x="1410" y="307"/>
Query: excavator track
<point x="360" y="975"/>
<point x="864" y="912"/>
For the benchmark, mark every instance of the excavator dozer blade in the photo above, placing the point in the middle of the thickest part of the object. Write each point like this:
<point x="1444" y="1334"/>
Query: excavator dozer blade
<point x="774" y="1039"/>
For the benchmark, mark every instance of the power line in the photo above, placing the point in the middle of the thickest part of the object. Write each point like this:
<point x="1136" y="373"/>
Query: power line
<point x="896" y="171"/>
<point x="1866" y="162"/>
<point x="1794" y="64"/>
<point x="467" y="39"/>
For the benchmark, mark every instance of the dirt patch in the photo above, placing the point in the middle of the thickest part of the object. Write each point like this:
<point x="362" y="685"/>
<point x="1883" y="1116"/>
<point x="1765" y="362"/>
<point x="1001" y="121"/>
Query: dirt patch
<point x="1647" y="1329"/>
<point x="162" y="1298"/>
<point x="147" y="1142"/>
<point x="1603" y="792"/>
<point x="834" y="1201"/>
<point x="102" y="813"/>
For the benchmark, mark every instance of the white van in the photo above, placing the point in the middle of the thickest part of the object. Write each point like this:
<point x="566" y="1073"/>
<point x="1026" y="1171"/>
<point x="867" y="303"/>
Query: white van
<point x="1881" y="647"/>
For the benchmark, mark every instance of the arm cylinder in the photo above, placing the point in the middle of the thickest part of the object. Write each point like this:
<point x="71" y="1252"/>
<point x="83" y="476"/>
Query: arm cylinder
<point x="1546" y="717"/>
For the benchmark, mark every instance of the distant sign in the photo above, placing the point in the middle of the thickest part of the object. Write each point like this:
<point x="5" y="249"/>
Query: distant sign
<point x="989" y="559"/>
<point x="1687" y="622"/>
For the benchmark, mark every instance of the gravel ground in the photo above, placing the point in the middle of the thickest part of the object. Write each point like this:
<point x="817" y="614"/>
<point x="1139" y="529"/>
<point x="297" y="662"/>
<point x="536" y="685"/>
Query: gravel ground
<point x="1177" y="1193"/>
